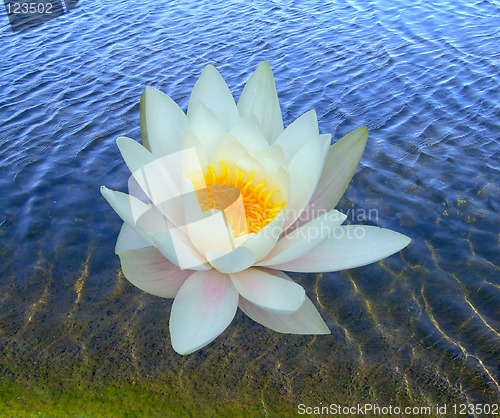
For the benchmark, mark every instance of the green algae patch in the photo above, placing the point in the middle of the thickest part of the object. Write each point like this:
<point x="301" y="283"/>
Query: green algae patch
<point x="126" y="401"/>
<point x="21" y="401"/>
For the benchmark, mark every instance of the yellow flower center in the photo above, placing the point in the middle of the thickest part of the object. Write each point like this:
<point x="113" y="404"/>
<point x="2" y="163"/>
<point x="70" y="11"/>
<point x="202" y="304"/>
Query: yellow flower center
<point x="248" y="205"/>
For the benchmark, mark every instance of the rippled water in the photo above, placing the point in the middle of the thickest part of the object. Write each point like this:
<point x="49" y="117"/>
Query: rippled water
<point x="418" y="329"/>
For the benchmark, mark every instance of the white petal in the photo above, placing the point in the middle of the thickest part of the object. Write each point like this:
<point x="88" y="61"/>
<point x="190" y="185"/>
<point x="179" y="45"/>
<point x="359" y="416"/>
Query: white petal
<point x="134" y="189"/>
<point x="162" y="122"/>
<point x="129" y="239"/>
<point x="269" y="290"/>
<point x="295" y="136"/>
<point x="152" y="226"/>
<point x="162" y="178"/>
<point x="147" y="269"/>
<point x="177" y="247"/>
<point x="229" y="150"/>
<point x="239" y="259"/>
<point x="204" y="306"/>
<point x="304" y="171"/>
<point x="259" y="98"/>
<point x="134" y="154"/>
<point x="137" y="214"/>
<point x="340" y="165"/>
<point x="303" y="239"/>
<point x="210" y="232"/>
<point x="349" y="247"/>
<point x="306" y="320"/>
<point x="249" y="134"/>
<point x="190" y="140"/>
<point x="207" y="128"/>
<point x="151" y="173"/>
<point x="212" y="91"/>
<point x="272" y="161"/>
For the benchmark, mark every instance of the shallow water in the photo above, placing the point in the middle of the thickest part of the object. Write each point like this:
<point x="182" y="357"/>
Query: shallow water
<point x="421" y="328"/>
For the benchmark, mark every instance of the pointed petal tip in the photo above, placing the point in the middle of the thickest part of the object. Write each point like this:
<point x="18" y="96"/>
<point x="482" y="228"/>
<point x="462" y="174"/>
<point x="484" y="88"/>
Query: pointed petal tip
<point x="362" y="133"/>
<point x="122" y="141"/>
<point x="104" y="191"/>
<point x="356" y="136"/>
<point x="264" y="68"/>
<point x="208" y="70"/>
<point x="305" y="321"/>
<point x="311" y="116"/>
<point x="345" y="251"/>
<point x="399" y="240"/>
<point x="321" y="329"/>
<point x="264" y="64"/>
<point x="210" y="67"/>
<point x="212" y="91"/>
<point x="405" y="241"/>
<point x="259" y="97"/>
<point x="147" y="92"/>
<point x="150" y="89"/>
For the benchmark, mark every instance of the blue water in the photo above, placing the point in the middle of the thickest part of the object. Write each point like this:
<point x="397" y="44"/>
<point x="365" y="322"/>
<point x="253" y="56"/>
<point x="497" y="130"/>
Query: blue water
<point x="419" y="328"/>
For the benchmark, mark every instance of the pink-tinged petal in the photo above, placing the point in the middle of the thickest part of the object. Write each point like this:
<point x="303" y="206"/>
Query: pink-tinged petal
<point x="340" y="165"/>
<point x="259" y="98"/>
<point x="295" y="136"/>
<point x="203" y="308"/>
<point x="303" y="239"/>
<point x="212" y="91"/>
<point x="162" y="122"/>
<point x="348" y="247"/>
<point x="147" y="269"/>
<point x="239" y="259"/>
<point x="306" y="320"/>
<point x="270" y="290"/>
<point x="305" y="171"/>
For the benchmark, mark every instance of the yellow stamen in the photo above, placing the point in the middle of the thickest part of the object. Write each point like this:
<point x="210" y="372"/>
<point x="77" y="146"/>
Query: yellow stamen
<point x="259" y="204"/>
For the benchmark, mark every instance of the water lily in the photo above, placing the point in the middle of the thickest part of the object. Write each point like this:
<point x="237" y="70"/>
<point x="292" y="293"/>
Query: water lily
<point x="216" y="205"/>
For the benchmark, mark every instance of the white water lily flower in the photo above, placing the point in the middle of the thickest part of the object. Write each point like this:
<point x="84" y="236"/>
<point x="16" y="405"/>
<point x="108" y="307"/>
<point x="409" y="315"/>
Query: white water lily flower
<point x="216" y="209"/>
